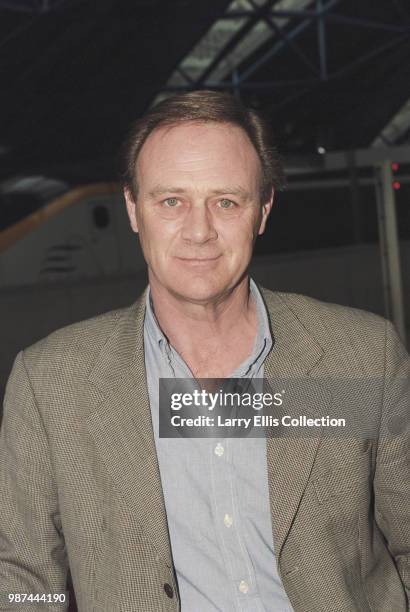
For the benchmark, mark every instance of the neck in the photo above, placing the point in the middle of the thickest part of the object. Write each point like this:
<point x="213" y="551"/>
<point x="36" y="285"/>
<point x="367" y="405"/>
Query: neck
<point x="190" y="326"/>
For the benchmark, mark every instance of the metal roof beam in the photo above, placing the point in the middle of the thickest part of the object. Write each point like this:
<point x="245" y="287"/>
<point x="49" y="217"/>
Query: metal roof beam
<point x="371" y="54"/>
<point x="366" y="157"/>
<point x="396" y="129"/>
<point x="321" y="37"/>
<point x="367" y="23"/>
<point x="335" y="17"/>
<point x="292" y="35"/>
<point x="184" y="75"/>
<point x="288" y="42"/>
<point x="234" y="41"/>
<point x="252" y="86"/>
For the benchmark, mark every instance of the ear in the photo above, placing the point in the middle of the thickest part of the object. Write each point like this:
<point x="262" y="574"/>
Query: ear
<point x="131" y="209"/>
<point x="266" y="208"/>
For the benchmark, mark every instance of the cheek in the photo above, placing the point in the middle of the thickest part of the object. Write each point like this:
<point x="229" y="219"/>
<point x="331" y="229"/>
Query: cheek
<point x="239" y="235"/>
<point x="156" y="234"/>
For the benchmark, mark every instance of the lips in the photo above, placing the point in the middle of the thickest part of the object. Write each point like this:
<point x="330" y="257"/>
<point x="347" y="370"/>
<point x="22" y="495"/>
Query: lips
<point x="198" y="259"/>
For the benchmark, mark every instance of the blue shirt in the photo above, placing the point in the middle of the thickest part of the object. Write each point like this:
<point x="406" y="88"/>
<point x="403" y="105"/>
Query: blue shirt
<point x="216" y="495"/>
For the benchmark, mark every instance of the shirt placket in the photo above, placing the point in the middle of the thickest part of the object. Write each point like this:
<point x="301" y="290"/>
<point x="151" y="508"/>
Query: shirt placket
<point x="227" y="517"/>
<point x="224" y="486"/>
<point x="229" y="527"/>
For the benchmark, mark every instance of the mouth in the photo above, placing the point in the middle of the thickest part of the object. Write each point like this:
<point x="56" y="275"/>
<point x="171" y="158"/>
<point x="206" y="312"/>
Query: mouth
<point x="198" y="260"/>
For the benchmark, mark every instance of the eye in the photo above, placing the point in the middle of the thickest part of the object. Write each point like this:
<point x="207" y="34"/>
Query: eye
<point x="225" y="203"/>
<point x="171" y="202"/>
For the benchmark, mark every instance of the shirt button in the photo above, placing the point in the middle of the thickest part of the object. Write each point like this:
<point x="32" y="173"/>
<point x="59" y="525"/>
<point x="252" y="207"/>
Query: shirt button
<point x="228" y="520"/>
<point x="243" y="586"/>
<point x="169" y="590"/>
<point x="219" y="450"/>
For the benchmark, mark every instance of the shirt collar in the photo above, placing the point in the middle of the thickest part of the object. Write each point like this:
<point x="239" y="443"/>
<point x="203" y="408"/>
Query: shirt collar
<point x="263" y="340"/>
<point x="151" y="322"/>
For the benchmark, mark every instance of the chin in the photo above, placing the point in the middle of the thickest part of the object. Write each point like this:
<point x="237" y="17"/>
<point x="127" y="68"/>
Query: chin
<point x="197" y="289"/>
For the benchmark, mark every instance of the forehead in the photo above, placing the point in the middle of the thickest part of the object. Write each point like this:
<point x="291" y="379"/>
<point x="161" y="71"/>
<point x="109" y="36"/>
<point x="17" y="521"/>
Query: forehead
<point x="204" y="151"/>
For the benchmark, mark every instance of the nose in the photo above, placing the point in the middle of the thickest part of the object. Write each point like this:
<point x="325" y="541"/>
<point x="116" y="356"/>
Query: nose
<point x="198" y="225"/>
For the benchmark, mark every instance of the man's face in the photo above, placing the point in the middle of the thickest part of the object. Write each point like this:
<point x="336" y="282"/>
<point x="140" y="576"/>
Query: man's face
<point x="198" y="209"/>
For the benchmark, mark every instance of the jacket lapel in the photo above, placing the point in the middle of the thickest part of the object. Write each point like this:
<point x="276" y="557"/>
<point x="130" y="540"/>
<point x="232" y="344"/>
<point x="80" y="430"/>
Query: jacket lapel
<point x="121" y="426"/>
<point x="290" y="457"/>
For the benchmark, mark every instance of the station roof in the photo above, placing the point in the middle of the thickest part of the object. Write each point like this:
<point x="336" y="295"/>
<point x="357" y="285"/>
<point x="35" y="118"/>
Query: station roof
<point x="330" y="74"/>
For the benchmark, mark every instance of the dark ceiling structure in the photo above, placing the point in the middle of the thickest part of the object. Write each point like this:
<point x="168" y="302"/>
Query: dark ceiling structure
<point x="75" y="73"/>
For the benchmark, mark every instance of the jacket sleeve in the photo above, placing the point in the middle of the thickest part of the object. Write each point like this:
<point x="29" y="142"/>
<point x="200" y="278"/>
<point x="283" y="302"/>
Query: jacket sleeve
<point x="392" y="476"/>
<point x="33" y="557"/>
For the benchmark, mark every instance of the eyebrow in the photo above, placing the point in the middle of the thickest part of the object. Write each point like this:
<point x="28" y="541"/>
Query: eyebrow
<point x="238" y="191"/>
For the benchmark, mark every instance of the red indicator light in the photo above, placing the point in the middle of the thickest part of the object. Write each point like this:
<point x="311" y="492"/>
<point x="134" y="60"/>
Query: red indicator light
<point x="396" y="185"/>
<point x="395" y="167"/>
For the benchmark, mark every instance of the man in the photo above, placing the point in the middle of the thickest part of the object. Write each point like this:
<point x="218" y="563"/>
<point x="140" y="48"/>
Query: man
<point x="146" y="523"/>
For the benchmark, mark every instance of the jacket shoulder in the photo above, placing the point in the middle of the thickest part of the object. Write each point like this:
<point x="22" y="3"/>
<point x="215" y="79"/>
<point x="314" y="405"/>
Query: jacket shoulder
<point x="345" y="334"/>
<point x="312" y="310"/>
<point x="77" y="343"/>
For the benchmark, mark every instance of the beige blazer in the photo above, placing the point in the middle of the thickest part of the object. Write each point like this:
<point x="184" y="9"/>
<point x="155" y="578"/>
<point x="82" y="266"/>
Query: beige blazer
<point x="80" y="486"/>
